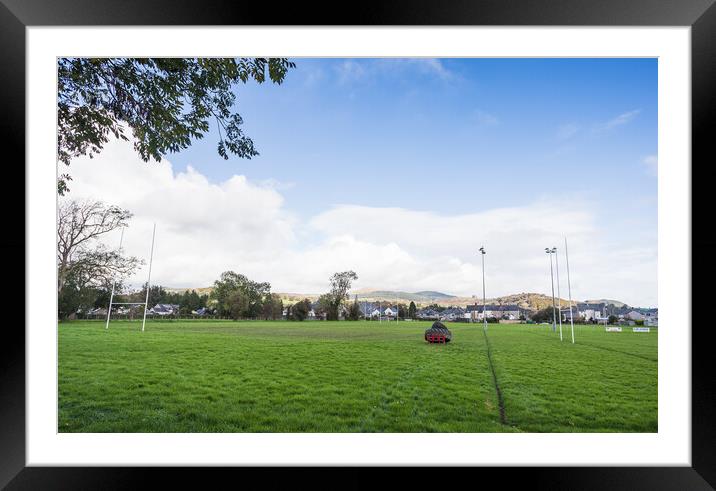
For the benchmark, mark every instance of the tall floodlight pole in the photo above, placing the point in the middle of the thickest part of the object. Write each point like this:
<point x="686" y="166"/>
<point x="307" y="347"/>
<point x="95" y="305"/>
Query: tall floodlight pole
<point x="551" y="274"/>
<point x="559" y="294"/>
<point x="569" y="287"/>
<point x="149" y="277"/>
<point x="114" y="281"/>
<point x="484" y="298"/>
<point x="380" y="314"/>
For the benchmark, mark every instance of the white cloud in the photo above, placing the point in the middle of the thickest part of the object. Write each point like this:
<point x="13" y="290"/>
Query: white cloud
<point x="652" y="164"/>
<point x="433" y="66"/>
<point x="312" y="76"/>
<point x="363" y="70"/>
<point x="350" y="71"/>
<point x="443" y="250"/>
<point x="204" y="228"/>
<point x="620" y="120"/>
<point x="567" y="131"/>
<point x="272" y="183"/>
<point x="484" y="118"/>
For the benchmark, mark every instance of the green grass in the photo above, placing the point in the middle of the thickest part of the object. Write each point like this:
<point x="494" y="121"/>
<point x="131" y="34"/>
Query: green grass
<point x="222" y="376"/>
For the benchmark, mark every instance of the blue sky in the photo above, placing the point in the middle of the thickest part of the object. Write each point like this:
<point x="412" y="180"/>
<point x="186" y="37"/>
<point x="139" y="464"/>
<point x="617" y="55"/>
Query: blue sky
<point x="507" y="151"/>
<point x="385" y="133"/>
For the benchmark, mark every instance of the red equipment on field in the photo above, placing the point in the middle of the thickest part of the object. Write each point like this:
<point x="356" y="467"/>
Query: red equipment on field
<point x="438" y="334"/>
<point x="436" y="338"/>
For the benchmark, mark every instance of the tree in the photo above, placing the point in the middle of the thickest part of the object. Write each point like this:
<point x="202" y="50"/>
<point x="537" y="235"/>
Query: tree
<point x="79" y="225"/>
<point x="330" y="303"/>
<point x="326" y="307"/>
<point x="164" y="102"/>
<point x="299" y="311"/>
<point x="89" y="281"/>
<point x="85" y="266"/>
<point x="78" y="297"/>
<point x="613" y="319"/>
<point x="412" y="310"/>
<point x="157" y="294"/>
<point x="226" y="287"/>
<point x="102" y="294"/>
<point x="236" y="304"/>
<point x="190" y="301"/>
<point x="354" y="310"/>
<point x="436" y="307"/>
<point x="272" y="308"/>
<point x="204" y="300"/>
<point x="544" y="315"/>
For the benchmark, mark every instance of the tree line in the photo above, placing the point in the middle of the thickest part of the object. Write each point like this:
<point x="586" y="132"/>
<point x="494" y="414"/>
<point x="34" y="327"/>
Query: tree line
<point x="88" y="271"/>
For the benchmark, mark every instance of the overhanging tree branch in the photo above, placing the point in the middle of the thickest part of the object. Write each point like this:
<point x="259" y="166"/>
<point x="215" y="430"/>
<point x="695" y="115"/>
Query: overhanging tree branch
<point x="163" y="100"/>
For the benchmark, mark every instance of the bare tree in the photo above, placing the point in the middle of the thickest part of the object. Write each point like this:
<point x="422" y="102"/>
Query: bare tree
<point x="79" y="225"/>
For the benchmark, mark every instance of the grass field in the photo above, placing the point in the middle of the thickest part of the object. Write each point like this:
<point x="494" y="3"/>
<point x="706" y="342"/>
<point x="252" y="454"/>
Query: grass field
<point x="222" y="376"/>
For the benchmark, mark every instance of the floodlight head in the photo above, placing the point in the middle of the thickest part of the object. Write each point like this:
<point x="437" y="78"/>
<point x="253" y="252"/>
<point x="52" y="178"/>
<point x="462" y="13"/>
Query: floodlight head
<point x="554" y="249"/>
<point x="546" y="249"/>
<point x="482" y="250"/>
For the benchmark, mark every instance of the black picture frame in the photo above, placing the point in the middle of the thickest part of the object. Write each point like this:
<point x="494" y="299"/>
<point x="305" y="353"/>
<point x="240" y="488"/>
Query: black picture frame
<point x="700" y="15"/>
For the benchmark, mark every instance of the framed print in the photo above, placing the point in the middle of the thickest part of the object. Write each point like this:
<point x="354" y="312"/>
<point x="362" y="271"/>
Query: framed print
<point x="422" y="237"/>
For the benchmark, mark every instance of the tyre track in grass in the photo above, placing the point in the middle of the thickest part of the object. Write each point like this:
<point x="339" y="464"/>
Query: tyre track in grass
<point x="500" y="400"/>
<point x="405" y="379"/>
<point x="408" y="375"/>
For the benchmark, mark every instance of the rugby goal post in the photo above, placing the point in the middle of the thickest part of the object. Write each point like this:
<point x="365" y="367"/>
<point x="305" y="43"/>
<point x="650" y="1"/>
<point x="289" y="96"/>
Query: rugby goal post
<point x="149" y="278"/>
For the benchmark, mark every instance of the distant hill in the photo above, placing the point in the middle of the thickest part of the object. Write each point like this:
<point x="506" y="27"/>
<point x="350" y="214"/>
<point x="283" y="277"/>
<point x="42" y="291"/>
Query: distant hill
<point x="616" y="303"/>
<point x="291" y="298"/>
<point x="200" y="291"/>
<point x="426" y="296"/>
<point x="430" y="294"/>
<point x="530" y="301"/>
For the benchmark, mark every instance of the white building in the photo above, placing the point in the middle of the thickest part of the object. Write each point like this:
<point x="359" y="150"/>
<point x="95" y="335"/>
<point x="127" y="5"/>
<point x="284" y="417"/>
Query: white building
<point x="388" y="312"/>
<point x="509" y="312"/>
<point x="591" y="311"/>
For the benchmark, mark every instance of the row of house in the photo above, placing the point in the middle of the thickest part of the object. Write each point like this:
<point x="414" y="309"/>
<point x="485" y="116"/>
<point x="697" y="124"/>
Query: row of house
<point x="159" y="309"/>
<point x="600" y="312"/>
<point x="474" y="313"/>
<point x="368" y="310"/>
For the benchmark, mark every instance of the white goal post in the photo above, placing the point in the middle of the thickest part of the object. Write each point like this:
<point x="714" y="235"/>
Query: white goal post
<point x="149" y="277"/>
